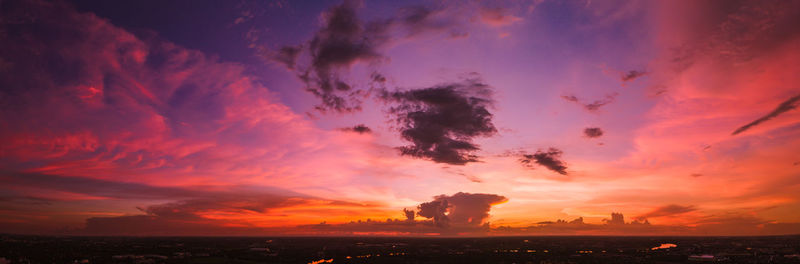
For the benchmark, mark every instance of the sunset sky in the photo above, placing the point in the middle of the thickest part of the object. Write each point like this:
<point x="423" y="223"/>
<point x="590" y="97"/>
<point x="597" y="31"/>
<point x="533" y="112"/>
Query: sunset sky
<point x="410" y="118"/>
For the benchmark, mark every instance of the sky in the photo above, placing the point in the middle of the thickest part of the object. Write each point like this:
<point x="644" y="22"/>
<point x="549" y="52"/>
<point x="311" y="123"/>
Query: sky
<point x="399" y="118"/>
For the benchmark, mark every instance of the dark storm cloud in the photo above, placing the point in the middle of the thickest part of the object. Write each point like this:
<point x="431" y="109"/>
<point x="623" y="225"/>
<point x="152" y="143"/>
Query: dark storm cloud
<point x="786" y="106"/>
<point x="632" y="75"/>
<point x="667" y="210"/>
<point x="593" y="132"/>
<point x="593" y="106"/>
<point x="550" y="159"/>
<point x="360" y="128"/>
<point x="442" y="120"/>
<point x="463" y="209"/>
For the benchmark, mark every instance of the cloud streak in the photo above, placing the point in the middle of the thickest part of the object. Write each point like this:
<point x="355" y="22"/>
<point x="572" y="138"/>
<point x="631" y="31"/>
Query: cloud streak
<point x="667" y="210"/>
<point x="785" y="106"/>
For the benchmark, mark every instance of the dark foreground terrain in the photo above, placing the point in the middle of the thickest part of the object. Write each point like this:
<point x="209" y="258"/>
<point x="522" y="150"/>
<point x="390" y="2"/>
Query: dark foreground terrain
<point x="45" y="249"/>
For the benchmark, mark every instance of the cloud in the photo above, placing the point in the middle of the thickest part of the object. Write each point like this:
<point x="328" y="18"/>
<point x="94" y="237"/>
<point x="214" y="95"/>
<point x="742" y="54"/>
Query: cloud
<point x="442" y="120"/>
<point x="593" y="106"/>
<point x="550" y="159"/>
<point x="344" y="40"/>
<point x="731" y="223"/>
<point x="94" y="97"/>
<point x="632" y="75"/>
<point x="378" y="78"/>
<point x="360" y="129"/>
<point x="103" y="118"/>
<point x="193" y="210"/>
<point x="109" y="189"/>
<point x="447" y="215"/>
<point x="727" y="32"/>
<point x="418" y="20"/>
<point x="616" y="225"/>
<point x="497" y="17"/>
<point x="94" y="100"/>
<point x="181" y="218"/>
<point x="720" y="60"/>
<point x="460" y="172"/>
<point x="593" y="132"/>
<point x="219" y="214"/>
<point x="785" y="106"/>
<point x="436" y="210"/>
<point x="616" y="219"/>
<point x="667" y="210"/>
<point x="287" y="55"/>
<point x="409" y="214"/>
<point x="94" y="187"/>
<point x="460" y="209"/>
<point x="715" y="225"/>
<point x="570" y="98"/>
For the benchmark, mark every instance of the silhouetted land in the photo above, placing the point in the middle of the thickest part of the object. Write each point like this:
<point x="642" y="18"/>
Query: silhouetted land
<point x="51" y="249"/>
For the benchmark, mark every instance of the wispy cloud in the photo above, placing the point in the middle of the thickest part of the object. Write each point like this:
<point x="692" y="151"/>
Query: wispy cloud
<point x="667" y="210"/>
